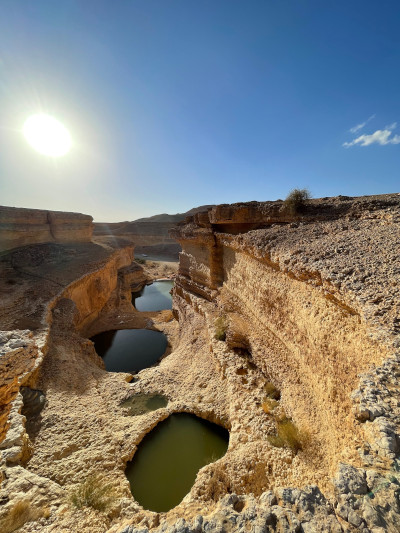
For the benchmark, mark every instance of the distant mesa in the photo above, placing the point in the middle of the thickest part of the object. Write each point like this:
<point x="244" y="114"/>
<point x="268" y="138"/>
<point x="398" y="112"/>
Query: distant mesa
<point x="21" y="227"/>
<point x="150" y="235"/>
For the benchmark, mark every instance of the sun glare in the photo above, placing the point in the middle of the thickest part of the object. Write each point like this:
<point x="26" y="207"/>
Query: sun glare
<point x="47" y="135"/>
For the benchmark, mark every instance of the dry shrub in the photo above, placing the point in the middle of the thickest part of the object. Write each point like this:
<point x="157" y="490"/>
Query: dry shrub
<point x="220" y="326"/>
<point x="271" y="391"/>
<point x="94" y="493"/>
<point x="218" y="483"/>
<point x="295" y="200"/>
<point x="268" y="405"/>
<point x="288" y="435"/>
<point x="19" y="515"/>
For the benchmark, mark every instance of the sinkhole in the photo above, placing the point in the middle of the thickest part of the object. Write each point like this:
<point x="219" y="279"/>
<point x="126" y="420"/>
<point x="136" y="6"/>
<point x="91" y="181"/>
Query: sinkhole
<point x="166" y="463"/>
<point x="130" y="350"/>
<point x="154" y="297"/>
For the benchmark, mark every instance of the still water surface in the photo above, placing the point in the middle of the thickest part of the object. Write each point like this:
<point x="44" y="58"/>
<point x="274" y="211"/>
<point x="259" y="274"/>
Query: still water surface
<point x="130" y="350"/>
<point x="165" y="466"/>
<point x="154" y="297"/>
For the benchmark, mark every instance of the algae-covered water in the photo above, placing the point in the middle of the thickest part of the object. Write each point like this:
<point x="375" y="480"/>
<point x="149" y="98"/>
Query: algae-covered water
<point x="154" y="297"/>
<point x="165" y="466"/>
<point x="130" y="350"/>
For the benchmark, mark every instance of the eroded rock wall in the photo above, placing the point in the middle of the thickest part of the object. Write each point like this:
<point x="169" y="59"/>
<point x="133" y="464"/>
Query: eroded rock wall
<point x="312" y="299"/>
<point x="40" y="280"/>
<point x="21" y="227"/>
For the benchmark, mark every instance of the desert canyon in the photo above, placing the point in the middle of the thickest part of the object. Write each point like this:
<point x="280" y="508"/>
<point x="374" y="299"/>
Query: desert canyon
<point x="279" y="318"/>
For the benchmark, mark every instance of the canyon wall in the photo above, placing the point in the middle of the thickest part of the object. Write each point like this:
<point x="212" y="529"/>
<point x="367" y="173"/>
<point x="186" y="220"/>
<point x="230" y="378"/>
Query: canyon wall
<point x="311" y="299"/>
<point x="21" y="227"/>
<point x="140" y="233"/>
<point x="149" y="235"/>
<point x="34" y="280"/>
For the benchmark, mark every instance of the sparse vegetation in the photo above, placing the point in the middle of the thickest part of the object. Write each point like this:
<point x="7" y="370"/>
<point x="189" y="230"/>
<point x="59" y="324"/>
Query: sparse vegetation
<point x="271" y="391"/>
<point x="21" y="513"/>
<point x="295" y="200"/>
<point x="140" y="260"/>
<point x="220" y="326"/>
<point x="288" y="435"/>
<point x="269" y="405"/>
<point x="94" y="493"/>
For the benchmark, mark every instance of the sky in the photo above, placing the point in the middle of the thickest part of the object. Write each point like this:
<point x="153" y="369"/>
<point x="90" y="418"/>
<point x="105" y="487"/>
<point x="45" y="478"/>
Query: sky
<point x="172" y="104"/>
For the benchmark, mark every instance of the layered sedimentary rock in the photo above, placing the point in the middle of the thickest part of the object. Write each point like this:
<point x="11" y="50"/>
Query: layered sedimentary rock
<point x="312" y="299"/>
<point x="21" y="227"/>
<point x="33" y="280"/>
<point x="149" y="235"/>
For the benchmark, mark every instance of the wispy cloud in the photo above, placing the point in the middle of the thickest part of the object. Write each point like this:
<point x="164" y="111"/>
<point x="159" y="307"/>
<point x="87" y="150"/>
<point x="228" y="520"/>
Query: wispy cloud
<point x="359" y="127"/>
<point x="381" y="137"/>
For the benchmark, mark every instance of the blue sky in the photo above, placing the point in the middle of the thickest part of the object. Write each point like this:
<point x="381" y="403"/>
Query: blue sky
<point x="177" y="103"/>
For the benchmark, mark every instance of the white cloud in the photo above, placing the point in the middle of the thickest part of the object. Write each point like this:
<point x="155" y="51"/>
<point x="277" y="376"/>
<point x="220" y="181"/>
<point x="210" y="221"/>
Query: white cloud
<point x="381" y="137"/>
<point x="360" y="126"/>
<point x="391" y="126"/>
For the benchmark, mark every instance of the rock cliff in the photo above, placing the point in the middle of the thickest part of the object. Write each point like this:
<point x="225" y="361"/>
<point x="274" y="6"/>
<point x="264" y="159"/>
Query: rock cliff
<point x="34" y="279"/>
<point x="149" y="235"/>
<point x="21" y="227"/>
<point x="311" y="300"/>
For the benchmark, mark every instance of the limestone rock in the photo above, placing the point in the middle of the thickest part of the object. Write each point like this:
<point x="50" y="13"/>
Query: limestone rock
<point x="20" y="227"/>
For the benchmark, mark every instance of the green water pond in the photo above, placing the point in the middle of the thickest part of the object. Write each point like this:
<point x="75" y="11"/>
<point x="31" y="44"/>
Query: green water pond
<point x="166" y="463"/>
<point x="154" y="297"/>
<point x="130" y="350"/>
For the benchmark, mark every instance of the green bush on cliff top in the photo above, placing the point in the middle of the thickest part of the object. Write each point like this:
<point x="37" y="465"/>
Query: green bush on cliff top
<point x="295" y="200"/>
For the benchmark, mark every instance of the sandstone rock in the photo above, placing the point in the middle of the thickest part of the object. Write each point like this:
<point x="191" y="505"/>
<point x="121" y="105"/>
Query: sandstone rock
<point x="20" y="227"/>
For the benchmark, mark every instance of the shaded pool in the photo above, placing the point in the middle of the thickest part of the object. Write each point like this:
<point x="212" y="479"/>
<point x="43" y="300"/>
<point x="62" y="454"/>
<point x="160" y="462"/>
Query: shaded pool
<point x="139" y="404"/>
<point x="154" y="297"/>
<point x="130" y="350"/>
<point x="166" y="463"/>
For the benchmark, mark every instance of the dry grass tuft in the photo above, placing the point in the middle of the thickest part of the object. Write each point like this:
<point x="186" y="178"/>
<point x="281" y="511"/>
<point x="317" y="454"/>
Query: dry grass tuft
<point x="220" y="326"/>
<point x="269" y="405"/>
<point x="19" y="514"/>
<point x="271" y="391"/>
<point x="288" y="435"/>
<point x="94" y="493"/>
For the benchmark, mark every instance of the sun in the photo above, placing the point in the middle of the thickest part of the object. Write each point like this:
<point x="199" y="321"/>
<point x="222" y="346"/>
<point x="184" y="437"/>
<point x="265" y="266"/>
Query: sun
<point x="47" y="135"/>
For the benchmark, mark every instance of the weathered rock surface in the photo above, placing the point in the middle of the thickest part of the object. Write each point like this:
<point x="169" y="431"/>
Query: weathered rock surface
<point x="313" y="299"/>
<point x="33" y="280"/>
<point x="20" y="227"/>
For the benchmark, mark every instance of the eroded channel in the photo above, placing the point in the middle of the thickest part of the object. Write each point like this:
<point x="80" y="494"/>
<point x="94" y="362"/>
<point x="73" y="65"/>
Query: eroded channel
<point x="166" y="463"/>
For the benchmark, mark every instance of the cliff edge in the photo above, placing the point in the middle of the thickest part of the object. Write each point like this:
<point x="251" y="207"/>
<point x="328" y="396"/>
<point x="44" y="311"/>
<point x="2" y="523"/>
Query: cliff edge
<point x="20" y="227"/>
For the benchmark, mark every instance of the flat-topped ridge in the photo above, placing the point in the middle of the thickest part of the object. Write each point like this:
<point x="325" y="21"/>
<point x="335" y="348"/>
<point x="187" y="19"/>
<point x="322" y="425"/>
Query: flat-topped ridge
<point x="20" y="227"/>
